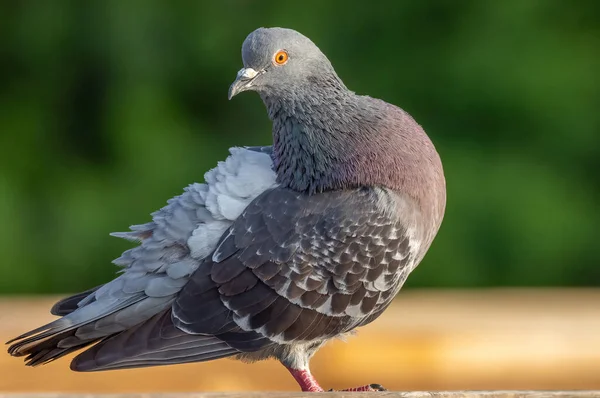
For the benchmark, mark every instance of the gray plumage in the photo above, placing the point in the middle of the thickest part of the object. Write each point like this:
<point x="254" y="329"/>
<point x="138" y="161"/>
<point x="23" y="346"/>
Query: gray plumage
<point x="283" y="247"/>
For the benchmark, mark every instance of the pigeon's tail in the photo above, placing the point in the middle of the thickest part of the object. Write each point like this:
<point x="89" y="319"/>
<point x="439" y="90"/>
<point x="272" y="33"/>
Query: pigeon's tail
<point x="77" y="329"/>
<point x="151" y="343"/>
<point x="40" y="350"/>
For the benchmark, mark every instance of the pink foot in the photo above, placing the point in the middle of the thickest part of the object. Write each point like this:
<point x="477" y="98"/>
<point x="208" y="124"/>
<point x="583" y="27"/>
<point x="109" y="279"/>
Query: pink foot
<point x="308" y="383"/>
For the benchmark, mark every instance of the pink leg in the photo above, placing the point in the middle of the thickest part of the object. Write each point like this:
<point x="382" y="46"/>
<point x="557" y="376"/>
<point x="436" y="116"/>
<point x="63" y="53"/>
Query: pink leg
<point x="306" y="380"/>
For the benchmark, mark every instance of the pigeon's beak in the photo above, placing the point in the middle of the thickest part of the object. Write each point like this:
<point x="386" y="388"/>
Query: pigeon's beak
<point x="242" y="82"/>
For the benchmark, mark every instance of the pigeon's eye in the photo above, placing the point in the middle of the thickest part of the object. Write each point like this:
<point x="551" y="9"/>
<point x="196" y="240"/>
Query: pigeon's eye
<point x="281" y="57"/>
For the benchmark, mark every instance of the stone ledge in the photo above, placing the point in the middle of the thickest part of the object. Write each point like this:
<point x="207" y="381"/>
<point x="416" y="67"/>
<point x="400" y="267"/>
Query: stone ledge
<point x="388" y="394"/>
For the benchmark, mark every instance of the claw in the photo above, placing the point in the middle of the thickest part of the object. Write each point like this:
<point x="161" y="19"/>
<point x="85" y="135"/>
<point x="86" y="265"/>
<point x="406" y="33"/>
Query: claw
<point x="377" y="387"/>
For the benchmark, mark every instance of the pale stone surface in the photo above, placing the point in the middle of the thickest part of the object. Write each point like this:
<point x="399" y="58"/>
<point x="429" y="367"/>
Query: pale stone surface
<point x="389" y="394"/>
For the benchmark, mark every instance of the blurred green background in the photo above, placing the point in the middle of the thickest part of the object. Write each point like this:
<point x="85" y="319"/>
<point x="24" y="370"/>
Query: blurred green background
<point x="108" y="108"/>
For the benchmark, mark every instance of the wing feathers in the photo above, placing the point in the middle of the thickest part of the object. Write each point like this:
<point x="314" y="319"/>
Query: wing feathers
<point x="172" y="247"/>
<point x="154" y="342"/>
<point x="70" y="304"/>
<point x="296" y="267"/>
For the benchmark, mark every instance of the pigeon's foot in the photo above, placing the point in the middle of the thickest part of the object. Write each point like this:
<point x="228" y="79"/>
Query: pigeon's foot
<point x="367" y="388"/>
<point x="308" y="383"/>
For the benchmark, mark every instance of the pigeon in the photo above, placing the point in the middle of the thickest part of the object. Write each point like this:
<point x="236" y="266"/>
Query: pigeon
<point x="282" y="248"/>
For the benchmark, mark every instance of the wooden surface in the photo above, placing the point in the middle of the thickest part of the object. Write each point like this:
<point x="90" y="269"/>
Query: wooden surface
<point x="416" y="394"/>
<point x="428" y="340"/>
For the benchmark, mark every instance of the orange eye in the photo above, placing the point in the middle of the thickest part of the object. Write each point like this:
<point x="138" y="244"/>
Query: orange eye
<point x="281" y="57"/>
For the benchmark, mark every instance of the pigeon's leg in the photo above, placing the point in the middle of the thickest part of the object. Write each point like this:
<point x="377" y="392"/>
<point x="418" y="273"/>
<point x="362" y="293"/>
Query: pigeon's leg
<point x="306" y="380"/>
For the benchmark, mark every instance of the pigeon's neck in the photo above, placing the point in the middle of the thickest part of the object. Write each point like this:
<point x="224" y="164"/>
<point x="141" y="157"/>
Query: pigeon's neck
<point x="305" y="146"/>
<point x="303" y="161"/>
<point x="345" y="141"/>
<point x="338" y="140"/>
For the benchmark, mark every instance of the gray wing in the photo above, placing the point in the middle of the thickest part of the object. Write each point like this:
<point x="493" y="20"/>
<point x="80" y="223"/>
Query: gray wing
<point x="171" y="247"/>
<point x="291" y="268"/>
<point x="295" y="267"/>
<point x="154" y="342"/>
<point x="70" y="304"/>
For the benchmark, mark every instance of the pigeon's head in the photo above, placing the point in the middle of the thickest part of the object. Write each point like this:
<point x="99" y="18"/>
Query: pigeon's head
<point x="278" y="60"/>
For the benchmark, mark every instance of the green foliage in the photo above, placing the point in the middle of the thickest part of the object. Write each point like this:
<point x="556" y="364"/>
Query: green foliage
<point x="108" y="108"/>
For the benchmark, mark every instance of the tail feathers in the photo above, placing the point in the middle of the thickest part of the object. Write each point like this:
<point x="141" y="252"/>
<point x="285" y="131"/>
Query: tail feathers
<point x="39" y="351"/>
<point x="58" y="338"/>
<point x="70" y="304"/>
<point x="154" y="342"/>
<point x="38" y="334"/>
